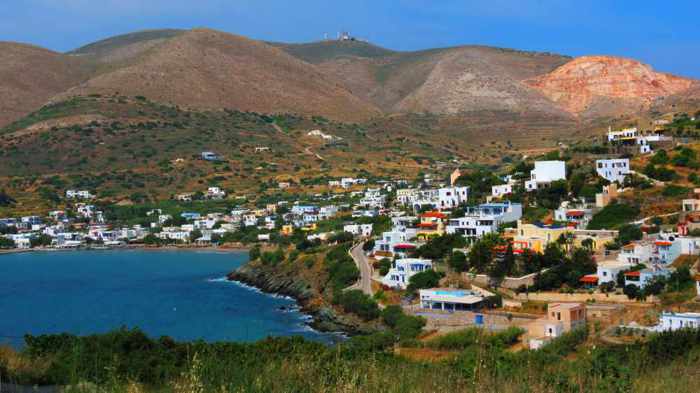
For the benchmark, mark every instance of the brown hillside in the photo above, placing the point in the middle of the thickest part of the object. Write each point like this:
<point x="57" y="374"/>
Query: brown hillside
<point x="446" y="81"/>
<point x="478" y="78"/>
<point x="594" y="86"/>
<point x="30" y="76"/>
<point x="211" y="70"/>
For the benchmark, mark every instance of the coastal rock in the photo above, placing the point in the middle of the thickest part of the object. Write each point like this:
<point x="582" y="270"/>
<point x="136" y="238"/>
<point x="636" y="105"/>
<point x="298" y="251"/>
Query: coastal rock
<point x="276" y="279"/>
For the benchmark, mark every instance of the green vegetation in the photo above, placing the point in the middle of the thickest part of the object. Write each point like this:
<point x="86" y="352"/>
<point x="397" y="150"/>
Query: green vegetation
<point x="404" y="327"/>
<point x="440" y="247"/>
<point x="6" y="243"/>
<point x="356" y="302"/>
<point x="474" y="337"/>
<point x="5" y="199"/>
<point x="614" y="216"/>
<point x="673" y="190"/>
<point x="128" y="361"/>
<point x="342" y="271"/>
<point x="425" y="279"/>
<point x="564" y="270"/>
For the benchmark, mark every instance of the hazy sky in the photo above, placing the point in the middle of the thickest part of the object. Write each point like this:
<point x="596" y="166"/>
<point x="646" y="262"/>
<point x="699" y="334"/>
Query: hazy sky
<point x="665" y="34"/>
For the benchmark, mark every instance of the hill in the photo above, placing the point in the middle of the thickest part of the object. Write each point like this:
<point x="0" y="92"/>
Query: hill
<point x="114" y="52"/>
<point x="30" y="76"/>
<point x="443" y="81"/>
<point x="207" y="69"/>
<point x="595" y="86"/>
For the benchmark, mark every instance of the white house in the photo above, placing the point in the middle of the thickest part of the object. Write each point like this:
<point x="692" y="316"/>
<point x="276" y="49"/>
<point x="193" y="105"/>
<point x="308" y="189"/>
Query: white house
<point x="449" y="299"/>
<point x="215" y="193"/>
<point x="544" y="173"/>
<point x="363" y="230"/>
<point x="675" y="321"/>
<point x="641" y="278"/>
<point x="451" y="197"/>
<point x="403" y="269"/>
<point x="636" y="253"/>
<point x="576" y="213"/>
<point x="484" y="219"/>
<point x="607" y="271"/>
<point x="666" y="251"/>
<point x="613" y="170"/>
<point x="79" y="194"/>
<point x="624" y="135"/>
<point x="501" y="190"/>
<point x="326" y="212"/>
<point x="398" y="241"/>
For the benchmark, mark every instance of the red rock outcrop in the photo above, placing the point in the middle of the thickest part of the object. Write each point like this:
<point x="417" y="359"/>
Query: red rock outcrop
<point x="603" y="85"/>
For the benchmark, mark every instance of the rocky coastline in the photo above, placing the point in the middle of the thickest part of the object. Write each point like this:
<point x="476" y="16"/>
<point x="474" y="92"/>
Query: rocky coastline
<point x="272" y="279"/>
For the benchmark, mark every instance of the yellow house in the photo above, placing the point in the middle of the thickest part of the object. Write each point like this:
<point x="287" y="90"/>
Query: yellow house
<point x="310" y="227"/>
<point x="536" y="237"/>
<point x="287" y="230"/>
<point x="431" y="224"/>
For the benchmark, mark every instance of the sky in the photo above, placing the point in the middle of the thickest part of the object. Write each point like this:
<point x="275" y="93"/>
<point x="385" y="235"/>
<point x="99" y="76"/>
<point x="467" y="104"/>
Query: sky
<point x="664" y="34"/>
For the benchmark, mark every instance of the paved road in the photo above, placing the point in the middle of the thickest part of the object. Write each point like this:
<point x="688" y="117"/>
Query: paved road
<point x="365" y="282"/>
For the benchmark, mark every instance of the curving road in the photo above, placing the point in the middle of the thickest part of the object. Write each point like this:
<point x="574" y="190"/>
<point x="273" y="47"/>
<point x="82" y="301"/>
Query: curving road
<point x="365" y="282"/>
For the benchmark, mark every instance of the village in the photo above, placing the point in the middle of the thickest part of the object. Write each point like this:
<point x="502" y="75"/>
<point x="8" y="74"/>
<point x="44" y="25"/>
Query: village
<point x="453" y="251"/>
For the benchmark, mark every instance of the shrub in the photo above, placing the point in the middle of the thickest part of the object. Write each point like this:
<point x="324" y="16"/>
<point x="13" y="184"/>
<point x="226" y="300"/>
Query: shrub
<point x="614" y="215"/>
<point x="384" y="266"/>
<point x="425" y="279"/>
<point x="356" y="302"/>
<point x="673" y="190"/>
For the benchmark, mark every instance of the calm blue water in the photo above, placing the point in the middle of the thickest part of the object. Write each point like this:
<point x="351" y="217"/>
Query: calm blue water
<point x="181" y="294"/>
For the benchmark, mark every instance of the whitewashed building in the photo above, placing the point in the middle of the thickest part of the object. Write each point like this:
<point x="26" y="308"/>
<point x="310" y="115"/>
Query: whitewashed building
<point x="362" y="230"/>
<point x="544" y="173"/>
<point x="501" y="190"/>
<point x="450" y="299"/>
<point x="613" y="170"/>
<point x="607" y="271"/>
<point x="403" y="269"/>
<point x="484" y="219"/>
<point x="675" y="321"/>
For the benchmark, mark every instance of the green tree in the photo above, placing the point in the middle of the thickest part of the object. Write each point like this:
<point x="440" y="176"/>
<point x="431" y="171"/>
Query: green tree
<point x="458" y="262"/>
<point x="6" y="243"/>
<point x="40" y="241"/>
<point x="194" y="235"/>
<point x="425" y="279"/>
<point x="6" y="199"/>
<point x="632" y="291"/>
<point x="628" y="233"/>
<point x="384" y="266"/>
<point x="660" y="158"/>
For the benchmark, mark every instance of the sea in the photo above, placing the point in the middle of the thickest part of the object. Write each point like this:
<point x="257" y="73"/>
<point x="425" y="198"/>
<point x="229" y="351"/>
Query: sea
<point x="181" y="294"/>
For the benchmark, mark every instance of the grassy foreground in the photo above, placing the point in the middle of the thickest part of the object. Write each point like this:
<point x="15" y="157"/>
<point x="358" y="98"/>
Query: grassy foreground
<point x="129" y="361"/>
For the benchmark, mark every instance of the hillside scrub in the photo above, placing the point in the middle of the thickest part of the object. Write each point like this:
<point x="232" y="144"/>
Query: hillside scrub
<point x="123" y="360"/>
<point x="613" y="216"/>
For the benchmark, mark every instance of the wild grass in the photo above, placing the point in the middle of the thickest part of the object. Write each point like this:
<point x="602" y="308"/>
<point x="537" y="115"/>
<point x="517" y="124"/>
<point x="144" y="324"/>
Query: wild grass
<point x="127" y="361"/>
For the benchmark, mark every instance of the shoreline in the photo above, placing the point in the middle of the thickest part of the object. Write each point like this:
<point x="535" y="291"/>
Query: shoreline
<point x="231" y="248"/>
<point x="323" y="317"/>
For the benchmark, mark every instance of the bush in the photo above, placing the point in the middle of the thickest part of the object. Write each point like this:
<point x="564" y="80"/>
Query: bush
<point x="341" y="268"/>
<point x="628" y="233"/>
<point x="673" y="190"/>
<point x="425" y="279"/>
<point x="441" y="246"/>
<point x="6" y="243"/>
<point x="356" y="302"/>
<point x="458" y="262"/>
<point x="405" y="327"/>
<point x="384" y="266"/>
<point x="613" y="216"/>
<point x="272" y="258"/>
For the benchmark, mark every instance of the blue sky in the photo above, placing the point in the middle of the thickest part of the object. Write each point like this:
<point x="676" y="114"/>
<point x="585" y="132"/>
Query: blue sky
<point x="665" y="34"/>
